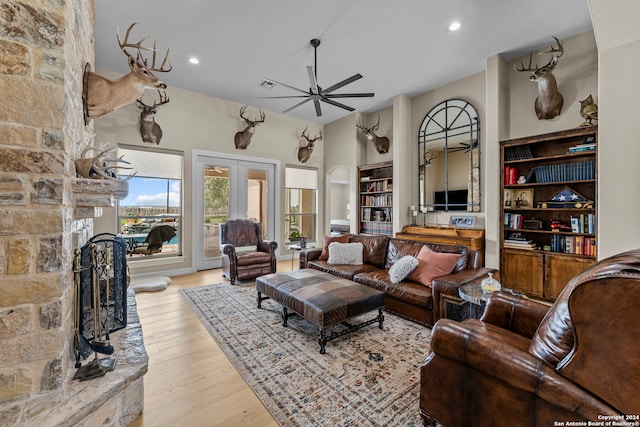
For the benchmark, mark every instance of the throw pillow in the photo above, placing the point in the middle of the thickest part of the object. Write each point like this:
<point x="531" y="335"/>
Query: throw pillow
<point x="326" y="240"/>
<point x="243" y="249"/>
<point x="432" y="265"/>
<point x="345" y="253"/>
<point x="401" y="268"/>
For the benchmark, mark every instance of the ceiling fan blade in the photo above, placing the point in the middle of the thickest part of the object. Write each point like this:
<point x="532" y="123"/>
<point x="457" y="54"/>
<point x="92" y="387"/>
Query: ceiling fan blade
<point x="349" y="95"/>
<point x="297" y="105"/>
<point x="337" y="104"/>
<point x="342" y="83"/>
<point x="291" y="87"/>
<point x="291" y="96"/>
<point x="318" y="110"/>
<point x="312" y="80"/>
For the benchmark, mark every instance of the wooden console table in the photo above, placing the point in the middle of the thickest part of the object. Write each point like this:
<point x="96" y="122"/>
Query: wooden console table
<point x="472" y="238"/>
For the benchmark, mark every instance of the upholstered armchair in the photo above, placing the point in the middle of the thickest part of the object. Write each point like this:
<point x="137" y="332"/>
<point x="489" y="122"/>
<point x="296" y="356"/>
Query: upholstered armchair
<point x="526" y="364"/>
<point x="244" y="254"/>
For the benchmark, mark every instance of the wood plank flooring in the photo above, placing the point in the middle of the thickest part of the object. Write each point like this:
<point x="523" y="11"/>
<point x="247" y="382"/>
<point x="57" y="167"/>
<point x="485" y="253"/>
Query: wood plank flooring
<point x="190" y="381"/>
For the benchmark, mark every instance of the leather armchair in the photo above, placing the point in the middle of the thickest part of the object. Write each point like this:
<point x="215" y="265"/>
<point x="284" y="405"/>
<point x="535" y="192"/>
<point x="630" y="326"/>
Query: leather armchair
<point x="244" y="254"/>
<point x="526" y="364"/>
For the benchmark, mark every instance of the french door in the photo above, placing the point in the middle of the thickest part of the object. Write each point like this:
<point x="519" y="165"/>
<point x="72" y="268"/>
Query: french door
<point x="229" y="187"/>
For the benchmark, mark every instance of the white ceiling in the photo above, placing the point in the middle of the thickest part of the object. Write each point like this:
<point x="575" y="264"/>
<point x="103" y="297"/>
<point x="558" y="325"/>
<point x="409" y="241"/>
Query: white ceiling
<point x="400" y="46"/>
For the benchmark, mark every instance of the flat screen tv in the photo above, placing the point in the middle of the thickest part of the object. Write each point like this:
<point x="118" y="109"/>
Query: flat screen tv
<point x="456" y="197"/>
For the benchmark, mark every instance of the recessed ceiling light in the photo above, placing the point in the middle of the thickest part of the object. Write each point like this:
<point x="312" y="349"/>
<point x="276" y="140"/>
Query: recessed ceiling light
<point x="194" y="60"/>
<point x="454" y="26"/>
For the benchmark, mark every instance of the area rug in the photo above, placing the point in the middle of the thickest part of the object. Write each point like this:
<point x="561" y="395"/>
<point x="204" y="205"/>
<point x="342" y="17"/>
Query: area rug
<point x="367" y="378"/>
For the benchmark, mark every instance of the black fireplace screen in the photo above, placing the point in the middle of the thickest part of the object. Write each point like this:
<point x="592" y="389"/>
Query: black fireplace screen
<point x="103" y="284"/>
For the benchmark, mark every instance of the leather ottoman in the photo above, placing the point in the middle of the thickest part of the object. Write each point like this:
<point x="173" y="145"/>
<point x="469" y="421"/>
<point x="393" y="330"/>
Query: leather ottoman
<point x="321" y="298"/>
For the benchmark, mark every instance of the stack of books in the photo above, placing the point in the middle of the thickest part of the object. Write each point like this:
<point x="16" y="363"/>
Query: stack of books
<point x="519" y="244"/>
<point x="582" y="147"/>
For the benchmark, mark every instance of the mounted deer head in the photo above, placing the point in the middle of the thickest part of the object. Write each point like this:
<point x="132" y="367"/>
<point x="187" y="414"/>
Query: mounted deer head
<point x="381" y="142"/>
<point x="99" y="166"/>
<point x="549" y="101"/>
<point x="104" y="96"/>
<point x="305" y="152"/>
<point x="149" y="129"/>
<point x="243" y="139"/>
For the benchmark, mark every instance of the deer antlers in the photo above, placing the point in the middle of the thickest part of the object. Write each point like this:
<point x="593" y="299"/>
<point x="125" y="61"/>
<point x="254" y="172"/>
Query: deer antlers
<point x="149" y="129"/>
<point x="549" y="102"/>
<point x="102" y="96"/>
<point x="140" y="61"/>
<point x="243" y="139"/>
<point x="99" y="166"/>
<point x="380" y="142"/>
<point x="304" y="153"/>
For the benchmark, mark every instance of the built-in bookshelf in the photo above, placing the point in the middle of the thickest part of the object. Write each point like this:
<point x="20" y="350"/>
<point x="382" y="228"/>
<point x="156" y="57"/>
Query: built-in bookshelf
<point x="376" y="198"/>
<point x="548" y="210"/>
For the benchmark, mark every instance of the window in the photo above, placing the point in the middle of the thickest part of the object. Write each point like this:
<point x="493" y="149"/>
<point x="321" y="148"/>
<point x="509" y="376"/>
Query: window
<point x="301" y="207"/>
<point x="154" y="203"/>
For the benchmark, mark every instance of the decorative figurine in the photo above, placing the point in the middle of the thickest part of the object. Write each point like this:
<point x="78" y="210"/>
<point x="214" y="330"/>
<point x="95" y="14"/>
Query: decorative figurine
<point x="588" y="111"/>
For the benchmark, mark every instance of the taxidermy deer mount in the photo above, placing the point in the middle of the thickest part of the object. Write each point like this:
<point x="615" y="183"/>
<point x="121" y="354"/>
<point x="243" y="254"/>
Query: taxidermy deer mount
<point x="101" y="166"/>
<point x="549" y="101"/>
<point x="149" y="129"/>
<point x="243" y="138"/>
<point x="304" y="152"/>
<point x="102" y="96"/>
<point x="381" y="142"/>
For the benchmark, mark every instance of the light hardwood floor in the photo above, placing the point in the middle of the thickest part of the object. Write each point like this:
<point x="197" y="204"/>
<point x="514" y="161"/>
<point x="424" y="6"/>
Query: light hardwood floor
<point x="190" y="381"/>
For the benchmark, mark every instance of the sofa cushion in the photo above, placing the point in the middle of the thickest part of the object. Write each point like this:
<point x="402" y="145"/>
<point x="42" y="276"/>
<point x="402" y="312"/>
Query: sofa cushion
<point x="343" y="271"/>
<point x="326" y="240"/>
<point x="401" y="268"/>
<point x="248" y="258"/>
<point x="399" y="248"/>
<point x="375" y="248"/>
<point x="345" y="253"/>
<point x="432" y="265"/>
<point x="410" y="292"/>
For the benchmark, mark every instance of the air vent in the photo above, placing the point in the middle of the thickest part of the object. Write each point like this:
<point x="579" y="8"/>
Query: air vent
<point x="267" y="84"/>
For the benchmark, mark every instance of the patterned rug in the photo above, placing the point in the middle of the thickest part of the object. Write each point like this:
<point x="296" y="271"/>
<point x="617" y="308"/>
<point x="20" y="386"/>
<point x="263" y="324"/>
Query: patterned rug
<point x="367" y="378"/>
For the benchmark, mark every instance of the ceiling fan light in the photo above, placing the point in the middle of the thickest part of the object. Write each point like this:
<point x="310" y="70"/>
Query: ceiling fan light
<point x="194" y="60"/>
<point x="454" y="26"/>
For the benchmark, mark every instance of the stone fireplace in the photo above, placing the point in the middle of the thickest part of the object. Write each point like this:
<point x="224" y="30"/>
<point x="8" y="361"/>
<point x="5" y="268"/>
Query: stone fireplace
<point x="45" y="214"/>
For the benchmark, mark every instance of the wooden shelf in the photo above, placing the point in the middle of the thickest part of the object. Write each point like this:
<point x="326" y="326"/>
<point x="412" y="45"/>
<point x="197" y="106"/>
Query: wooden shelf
<point x="543" y="271"/>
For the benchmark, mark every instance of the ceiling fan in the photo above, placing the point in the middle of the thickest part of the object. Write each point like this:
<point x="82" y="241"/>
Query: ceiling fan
<point x="317" y="93"/>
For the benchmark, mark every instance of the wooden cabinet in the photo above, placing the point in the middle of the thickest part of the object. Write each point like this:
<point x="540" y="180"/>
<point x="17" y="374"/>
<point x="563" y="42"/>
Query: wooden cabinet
<point x="548" y="210"/>
<point x="448" y="235"/>
<point x="376" y="199"/>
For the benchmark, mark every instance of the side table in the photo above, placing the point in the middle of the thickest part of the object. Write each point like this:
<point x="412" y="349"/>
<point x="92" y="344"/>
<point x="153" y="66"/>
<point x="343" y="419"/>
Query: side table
<point x="296" y="247"/>
<point x="473" y="293"/>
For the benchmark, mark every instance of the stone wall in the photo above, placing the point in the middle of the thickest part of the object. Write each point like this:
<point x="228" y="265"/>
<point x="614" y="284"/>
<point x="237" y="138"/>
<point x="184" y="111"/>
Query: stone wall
<point x="44" y="46"/>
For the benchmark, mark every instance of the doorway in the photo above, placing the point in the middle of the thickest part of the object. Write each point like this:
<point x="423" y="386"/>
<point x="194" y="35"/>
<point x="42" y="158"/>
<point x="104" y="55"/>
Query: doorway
<point x="230" y="187"/>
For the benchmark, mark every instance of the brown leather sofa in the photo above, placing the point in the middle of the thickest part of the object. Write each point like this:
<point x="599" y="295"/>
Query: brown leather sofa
<point x="407" y="298"/>
<point x="526" y="364"/>
<point x="258" y="257"/>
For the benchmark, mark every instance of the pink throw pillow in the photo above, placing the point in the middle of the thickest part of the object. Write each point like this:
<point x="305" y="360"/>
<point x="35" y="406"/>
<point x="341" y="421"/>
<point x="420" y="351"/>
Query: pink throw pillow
<point x="432" y="265"/>
<point x="326" y="240"/>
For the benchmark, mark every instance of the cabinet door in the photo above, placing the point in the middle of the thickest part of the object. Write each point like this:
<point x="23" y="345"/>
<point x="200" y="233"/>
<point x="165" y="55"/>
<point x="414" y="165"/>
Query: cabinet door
<point x="523" y="271"/>
<point x="559" y="269"/>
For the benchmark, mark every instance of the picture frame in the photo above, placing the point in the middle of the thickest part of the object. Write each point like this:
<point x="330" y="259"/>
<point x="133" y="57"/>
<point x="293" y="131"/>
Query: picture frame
<point x="508" y="198"/>
<point x="523" y="198"/>
<point x="463" y="221"/>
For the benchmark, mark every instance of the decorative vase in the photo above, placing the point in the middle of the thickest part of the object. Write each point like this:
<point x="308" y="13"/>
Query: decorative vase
<point x="489" y="284"/>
